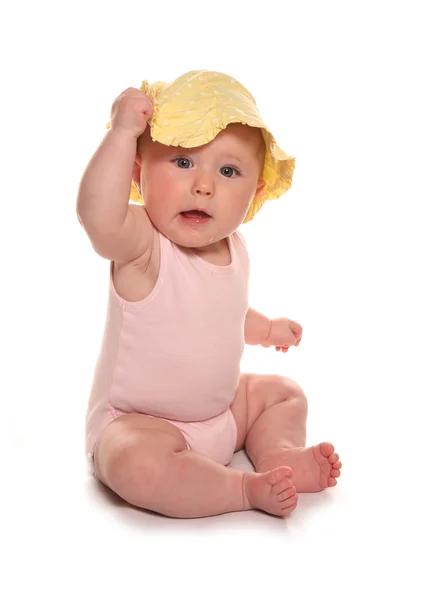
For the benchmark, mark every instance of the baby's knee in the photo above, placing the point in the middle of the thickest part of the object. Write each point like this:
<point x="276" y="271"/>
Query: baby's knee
<point x="293" y="390"/>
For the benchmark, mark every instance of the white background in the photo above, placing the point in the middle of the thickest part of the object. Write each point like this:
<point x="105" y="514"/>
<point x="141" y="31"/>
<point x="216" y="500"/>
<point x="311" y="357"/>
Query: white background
<point x="342" y="252"/>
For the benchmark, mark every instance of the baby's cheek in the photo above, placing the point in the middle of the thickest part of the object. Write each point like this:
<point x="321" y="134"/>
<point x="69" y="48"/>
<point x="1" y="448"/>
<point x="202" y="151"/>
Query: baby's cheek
<point x="173" y="189"/>
<point x="156" y="184"/>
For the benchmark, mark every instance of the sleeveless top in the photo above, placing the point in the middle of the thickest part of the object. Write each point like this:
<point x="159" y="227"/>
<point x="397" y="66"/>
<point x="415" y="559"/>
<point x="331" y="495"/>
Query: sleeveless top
<point x="175" y="354"/>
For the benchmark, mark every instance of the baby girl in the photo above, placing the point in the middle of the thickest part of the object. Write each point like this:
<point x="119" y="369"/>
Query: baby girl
<point x="168" y="406"/>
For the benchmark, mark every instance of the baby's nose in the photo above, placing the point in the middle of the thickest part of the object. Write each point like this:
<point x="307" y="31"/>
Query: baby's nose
<point x="202" y="192"/>
<point x="203" y="185"/>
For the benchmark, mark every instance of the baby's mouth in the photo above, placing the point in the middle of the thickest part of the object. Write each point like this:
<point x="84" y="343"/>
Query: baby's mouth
<point x="195" y="214"/>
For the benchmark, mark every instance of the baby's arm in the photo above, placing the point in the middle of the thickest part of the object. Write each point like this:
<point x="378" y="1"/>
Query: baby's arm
<point x="117" y="230"/>
<point x="280" y="332"/>
<point x="257" y="327"/>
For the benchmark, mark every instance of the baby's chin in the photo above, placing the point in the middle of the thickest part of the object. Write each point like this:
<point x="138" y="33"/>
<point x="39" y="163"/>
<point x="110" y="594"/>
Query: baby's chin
<point x="191" y="234"/>
<point x="191" y="237"/>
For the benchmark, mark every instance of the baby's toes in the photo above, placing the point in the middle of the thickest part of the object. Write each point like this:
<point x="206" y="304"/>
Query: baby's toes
<point x="335" y="473"/>
<point x="282" y="486"/>
<point x="327" y="449"/>
<point x="290" y="502"/>
<point x="280" y="477"/>
<point x="333" y="458"/>
<point x="288" y="493"/>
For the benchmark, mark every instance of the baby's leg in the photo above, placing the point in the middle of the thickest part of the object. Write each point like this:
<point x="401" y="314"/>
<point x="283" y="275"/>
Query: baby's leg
<point x="146" y="462"/>
<point x="270" y="413"/>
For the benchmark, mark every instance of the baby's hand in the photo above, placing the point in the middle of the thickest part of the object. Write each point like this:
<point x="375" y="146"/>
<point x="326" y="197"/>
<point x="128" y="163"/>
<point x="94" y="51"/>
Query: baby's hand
<point x="284" y="333"/>
<point x="131" y="111"/>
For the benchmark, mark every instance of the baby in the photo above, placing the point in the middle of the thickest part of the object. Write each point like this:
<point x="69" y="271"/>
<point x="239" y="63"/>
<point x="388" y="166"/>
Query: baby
<point x="168" y="405"/>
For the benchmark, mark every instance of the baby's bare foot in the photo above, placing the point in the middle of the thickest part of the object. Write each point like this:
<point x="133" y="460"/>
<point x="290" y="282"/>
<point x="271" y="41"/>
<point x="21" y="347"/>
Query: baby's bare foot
<point x="272" y="492"/>
<point x="315" y="468"/>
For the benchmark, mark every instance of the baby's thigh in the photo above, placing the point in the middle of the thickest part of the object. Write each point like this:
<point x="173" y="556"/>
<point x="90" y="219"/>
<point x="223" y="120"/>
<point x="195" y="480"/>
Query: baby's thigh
<point x="133" y="443"/>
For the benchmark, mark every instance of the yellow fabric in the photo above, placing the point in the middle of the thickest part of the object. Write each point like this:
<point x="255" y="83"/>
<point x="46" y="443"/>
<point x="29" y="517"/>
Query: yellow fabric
<point x="193" y="109"/>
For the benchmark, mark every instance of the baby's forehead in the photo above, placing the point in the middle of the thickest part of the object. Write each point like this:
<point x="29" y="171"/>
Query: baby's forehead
<point x="236" y="138"/>
<point x="242" y="132"/>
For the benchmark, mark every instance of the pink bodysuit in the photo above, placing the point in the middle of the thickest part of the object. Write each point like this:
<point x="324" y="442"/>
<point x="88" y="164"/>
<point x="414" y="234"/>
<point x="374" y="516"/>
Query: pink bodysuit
<point x="176" y="353"/>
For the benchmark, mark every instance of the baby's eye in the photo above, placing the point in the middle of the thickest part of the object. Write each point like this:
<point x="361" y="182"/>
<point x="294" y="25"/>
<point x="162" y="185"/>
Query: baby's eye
<point x="183" y="163"/>
<point x="227" y="171"/>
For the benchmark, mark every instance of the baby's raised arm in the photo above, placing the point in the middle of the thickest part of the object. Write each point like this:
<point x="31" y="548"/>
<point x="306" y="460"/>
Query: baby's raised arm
<point x="117" y="230"/>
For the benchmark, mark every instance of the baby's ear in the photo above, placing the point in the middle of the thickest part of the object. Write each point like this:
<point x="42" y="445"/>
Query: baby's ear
<point x="260" y="185"/>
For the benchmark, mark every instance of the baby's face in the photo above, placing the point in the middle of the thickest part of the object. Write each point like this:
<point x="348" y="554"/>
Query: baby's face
<point x="220" y="178"/>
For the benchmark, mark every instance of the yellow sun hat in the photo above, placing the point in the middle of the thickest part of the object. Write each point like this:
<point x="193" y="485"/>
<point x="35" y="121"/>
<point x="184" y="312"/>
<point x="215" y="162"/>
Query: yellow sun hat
<point x="193" y="109"/>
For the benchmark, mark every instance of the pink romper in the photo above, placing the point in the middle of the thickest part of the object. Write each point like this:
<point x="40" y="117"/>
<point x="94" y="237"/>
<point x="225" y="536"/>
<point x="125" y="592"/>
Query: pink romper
<point x="176" y="354"/>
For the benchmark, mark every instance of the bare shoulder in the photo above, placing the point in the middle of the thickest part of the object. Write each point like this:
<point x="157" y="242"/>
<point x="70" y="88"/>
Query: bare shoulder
<point x="132" y="241"/>
<point x="135" y="279"/>
<point x="137" y="234"/>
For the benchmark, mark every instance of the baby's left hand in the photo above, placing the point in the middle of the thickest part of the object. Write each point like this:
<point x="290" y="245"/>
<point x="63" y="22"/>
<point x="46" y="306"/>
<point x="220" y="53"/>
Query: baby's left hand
<point x="284" y="333"/>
